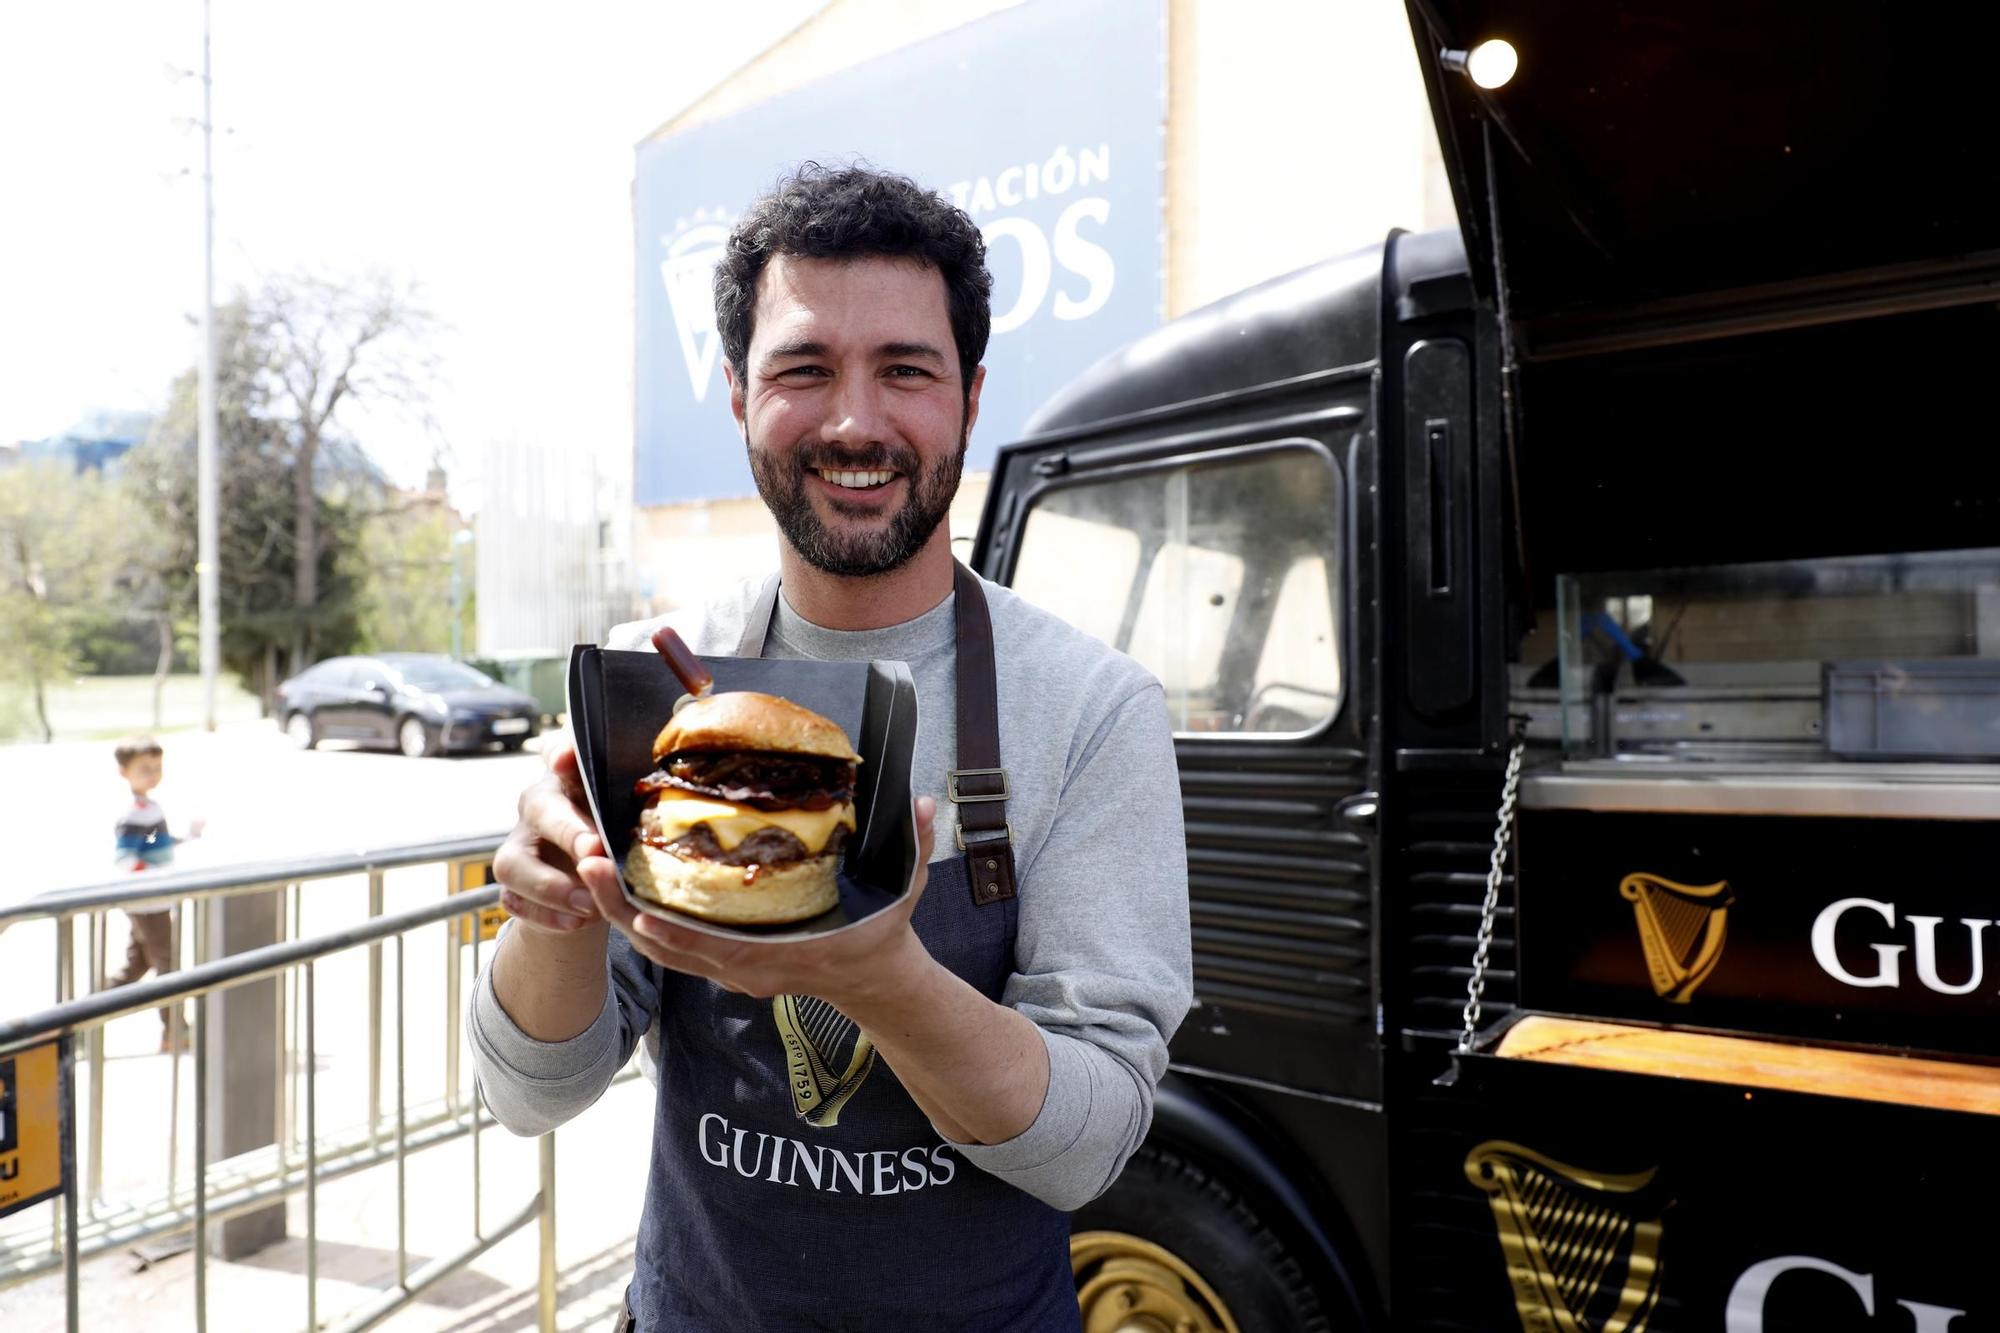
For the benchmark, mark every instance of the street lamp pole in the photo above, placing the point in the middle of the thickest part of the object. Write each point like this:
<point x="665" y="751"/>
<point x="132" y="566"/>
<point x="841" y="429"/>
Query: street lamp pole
<point x="207" y="482"/>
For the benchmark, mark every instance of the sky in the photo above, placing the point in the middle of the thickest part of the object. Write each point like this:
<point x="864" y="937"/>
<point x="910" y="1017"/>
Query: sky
<point x="482" y="152"/>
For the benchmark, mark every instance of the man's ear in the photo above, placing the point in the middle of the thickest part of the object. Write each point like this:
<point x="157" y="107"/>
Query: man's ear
<point x="972" y="399"/>
<point x="736" y="407"/>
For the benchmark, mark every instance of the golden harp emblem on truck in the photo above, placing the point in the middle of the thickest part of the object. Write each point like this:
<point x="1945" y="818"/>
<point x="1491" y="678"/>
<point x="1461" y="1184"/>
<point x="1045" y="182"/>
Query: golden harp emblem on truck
<point x="1579" y="1256"/>
<point x="1681" y="927"/>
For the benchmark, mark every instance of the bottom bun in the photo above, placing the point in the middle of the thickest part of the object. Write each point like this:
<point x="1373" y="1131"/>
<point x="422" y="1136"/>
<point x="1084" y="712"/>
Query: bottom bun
<point x="716" y="892"/>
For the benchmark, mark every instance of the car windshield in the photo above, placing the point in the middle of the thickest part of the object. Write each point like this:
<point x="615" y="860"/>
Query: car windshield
<point x="441" y="674"/>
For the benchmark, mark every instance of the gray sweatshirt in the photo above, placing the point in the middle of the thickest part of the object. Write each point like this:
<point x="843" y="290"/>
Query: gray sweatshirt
<point x="1102" y="960"/>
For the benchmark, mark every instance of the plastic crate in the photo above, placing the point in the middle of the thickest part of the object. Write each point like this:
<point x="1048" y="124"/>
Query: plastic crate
<point x="1933" y="708"/>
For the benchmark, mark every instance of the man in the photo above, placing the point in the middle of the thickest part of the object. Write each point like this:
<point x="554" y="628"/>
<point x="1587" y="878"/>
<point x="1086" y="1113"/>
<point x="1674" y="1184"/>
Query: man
<point x="979" y="1062"/>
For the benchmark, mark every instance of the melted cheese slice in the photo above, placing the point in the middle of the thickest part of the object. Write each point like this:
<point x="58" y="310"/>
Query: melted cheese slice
<point x="678" y="811"/>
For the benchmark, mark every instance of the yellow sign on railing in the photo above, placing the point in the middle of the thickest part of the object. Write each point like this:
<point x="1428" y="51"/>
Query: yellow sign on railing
<point x="31" y="1110"/>
<point x="465" y="877"/>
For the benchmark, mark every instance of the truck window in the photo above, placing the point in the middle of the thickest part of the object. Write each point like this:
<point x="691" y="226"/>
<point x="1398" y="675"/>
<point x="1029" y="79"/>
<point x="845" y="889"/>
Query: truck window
<point x="1221" y="577"/>
<point x="1858" y="658"/>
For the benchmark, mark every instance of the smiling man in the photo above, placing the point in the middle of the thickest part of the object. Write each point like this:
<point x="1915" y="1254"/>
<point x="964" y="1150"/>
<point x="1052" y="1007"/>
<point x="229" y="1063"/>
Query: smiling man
<point x="881" y="1129"/>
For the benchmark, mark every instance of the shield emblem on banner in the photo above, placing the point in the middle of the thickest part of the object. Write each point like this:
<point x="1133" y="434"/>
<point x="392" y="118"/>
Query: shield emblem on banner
<point x="689" y="274"/>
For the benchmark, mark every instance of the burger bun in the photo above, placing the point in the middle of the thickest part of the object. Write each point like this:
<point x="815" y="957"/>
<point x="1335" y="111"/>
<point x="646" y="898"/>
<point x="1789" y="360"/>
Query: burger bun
<point x="747" y="720"/>
<point x="712" y="891"/>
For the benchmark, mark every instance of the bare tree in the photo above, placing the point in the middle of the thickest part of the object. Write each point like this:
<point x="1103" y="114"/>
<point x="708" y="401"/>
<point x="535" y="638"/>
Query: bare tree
<point x="331" y="345"/>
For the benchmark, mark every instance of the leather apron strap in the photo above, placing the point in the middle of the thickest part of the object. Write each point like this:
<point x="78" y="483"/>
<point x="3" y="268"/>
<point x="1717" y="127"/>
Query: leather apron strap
<point x="757" y="626"/>
<point x="978" y="786"/>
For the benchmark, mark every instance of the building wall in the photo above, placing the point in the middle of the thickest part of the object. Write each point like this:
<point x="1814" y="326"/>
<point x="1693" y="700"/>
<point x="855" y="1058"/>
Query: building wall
<point x="551" y="537"/>
<point x="1297" y="130"/>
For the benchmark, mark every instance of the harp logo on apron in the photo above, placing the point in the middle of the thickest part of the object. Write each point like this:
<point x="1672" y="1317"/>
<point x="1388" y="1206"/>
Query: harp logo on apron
<point x="818" y="1040"/>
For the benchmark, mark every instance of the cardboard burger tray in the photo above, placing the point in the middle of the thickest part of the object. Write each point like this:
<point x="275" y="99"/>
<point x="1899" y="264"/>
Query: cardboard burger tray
<point x="619" y="700"/>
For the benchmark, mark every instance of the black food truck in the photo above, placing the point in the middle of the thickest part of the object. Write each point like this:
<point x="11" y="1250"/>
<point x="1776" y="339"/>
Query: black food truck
<point x="1582" y="631"/>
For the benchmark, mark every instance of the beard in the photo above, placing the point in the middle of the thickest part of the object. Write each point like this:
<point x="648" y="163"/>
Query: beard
<point x="781" y="481"/>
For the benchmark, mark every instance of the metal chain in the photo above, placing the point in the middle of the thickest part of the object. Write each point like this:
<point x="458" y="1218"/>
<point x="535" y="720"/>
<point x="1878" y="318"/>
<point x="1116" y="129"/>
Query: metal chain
<point x="1475" y="989"/>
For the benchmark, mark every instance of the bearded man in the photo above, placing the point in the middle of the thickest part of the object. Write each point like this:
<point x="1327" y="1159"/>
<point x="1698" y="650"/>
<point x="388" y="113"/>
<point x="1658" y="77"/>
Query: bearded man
<point x="1008" y="1023"/>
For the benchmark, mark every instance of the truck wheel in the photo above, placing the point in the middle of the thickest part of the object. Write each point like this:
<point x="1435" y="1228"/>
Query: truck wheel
<point x="1173" y="1246"/>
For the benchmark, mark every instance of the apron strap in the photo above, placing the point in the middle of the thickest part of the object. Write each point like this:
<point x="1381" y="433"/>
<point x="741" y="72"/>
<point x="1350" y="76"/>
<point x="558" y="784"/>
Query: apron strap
<point x="978" y="786"/>
<point x="758" y="625"/>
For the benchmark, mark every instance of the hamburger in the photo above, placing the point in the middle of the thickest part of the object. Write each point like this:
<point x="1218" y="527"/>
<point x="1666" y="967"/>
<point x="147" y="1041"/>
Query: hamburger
<point x="743" y="819"/>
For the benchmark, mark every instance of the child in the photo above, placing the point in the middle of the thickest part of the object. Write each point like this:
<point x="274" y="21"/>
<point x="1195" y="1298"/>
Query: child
<point x="143" y="843"/>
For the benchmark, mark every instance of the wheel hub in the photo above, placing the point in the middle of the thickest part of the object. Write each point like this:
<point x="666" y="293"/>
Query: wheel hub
<point x="1125" y="1284"/>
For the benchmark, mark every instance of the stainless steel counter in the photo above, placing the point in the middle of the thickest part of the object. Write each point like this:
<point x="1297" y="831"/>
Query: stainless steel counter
<point x="1875" y="791"/>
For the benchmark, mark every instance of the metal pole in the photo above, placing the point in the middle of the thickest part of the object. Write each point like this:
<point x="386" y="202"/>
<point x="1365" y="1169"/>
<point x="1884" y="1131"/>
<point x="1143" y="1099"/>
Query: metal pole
<point x="374" y="1016"/>
<point x="281" y="993"/>
<point x="175" y="1037"/>
<point x="99" y="928"/>
<point x="475" y="1108"/>
<point x="402" y="1119"/>
<point x="65" y="1209"/>
<point x="545" y="1293"/>
<point x="208" y="490"/>
<point x="312" y="1164"/>
<point x="71" y="1257"/>
<point x="201" y="1164"/>
<point x="452" y="961"/>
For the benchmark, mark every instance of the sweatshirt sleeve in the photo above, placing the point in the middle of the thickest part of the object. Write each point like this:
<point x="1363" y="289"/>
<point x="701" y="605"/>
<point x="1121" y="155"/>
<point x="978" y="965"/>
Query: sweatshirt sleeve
<point x="1102" y="959"/>
<point x="533" y="1086"/>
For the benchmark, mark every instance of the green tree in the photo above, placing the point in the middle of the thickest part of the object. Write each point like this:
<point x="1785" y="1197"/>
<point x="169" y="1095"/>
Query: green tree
<point x="61" y="543"/>
<point x="326" y="345"/>
<point x="263" y="623"/>
<point x="407" y="550"/>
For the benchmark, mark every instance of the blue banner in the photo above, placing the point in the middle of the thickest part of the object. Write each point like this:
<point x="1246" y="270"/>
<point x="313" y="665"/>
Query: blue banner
<point x="1044" y="122"/>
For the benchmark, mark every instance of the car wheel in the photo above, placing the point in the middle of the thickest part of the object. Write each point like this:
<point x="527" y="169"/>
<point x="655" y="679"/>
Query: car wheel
<point x="302" y="730"/>
<point x="414" y="739"/>
<point x="1175" y="1245"/>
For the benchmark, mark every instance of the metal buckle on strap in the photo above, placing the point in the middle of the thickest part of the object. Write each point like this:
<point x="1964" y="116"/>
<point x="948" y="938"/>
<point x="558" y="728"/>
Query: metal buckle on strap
<point x="951" y="784"/>
<point x="980" y="837"/>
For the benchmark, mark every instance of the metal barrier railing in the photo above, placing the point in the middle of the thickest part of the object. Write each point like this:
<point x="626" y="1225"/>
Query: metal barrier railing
<point x="295" y="1162"/>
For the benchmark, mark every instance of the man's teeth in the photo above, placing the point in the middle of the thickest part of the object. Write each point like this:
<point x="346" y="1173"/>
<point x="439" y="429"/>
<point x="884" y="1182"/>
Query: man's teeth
<point x="857" y="480"/>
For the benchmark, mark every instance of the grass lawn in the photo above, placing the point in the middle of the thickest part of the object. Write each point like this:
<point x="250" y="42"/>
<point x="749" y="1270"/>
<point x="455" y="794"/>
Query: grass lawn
<point x="107" y="707"/>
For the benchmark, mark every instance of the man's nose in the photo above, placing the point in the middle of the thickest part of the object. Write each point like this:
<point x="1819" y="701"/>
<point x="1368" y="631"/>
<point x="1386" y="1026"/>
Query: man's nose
<point x="856" y="413"/>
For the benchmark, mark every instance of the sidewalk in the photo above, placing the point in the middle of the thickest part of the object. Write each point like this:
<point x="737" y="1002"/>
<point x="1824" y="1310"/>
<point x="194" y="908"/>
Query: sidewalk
<point x="600" y="1160"/>
<point x="600" y="1164"/>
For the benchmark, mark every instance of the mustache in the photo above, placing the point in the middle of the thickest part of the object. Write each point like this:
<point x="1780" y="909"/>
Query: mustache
<point x="874" y="458"/>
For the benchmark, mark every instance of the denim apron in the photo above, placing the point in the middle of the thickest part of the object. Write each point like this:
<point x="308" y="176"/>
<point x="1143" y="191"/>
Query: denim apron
<point x="796" y="1185"/>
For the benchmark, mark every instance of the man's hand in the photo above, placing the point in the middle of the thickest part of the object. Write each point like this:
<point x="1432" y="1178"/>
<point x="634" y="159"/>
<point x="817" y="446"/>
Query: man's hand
<point x="843" y="969"/>
<point x="549" y="971"/>
<point x="553" y="859"/>
<point x="978" y="1069"/>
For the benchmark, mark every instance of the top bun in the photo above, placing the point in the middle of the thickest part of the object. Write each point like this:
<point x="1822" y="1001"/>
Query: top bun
<point x="746" y="720"/>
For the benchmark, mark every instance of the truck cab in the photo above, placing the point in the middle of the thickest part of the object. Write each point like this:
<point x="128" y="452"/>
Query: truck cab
<point x="1582" y="635"/>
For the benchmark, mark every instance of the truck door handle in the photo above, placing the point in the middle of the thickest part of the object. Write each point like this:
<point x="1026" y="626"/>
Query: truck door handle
<point x="1360" y="809"/>
<point x="1437" y="448"/>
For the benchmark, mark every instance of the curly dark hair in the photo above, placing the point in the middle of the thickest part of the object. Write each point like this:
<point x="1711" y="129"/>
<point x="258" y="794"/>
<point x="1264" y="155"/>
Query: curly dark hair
<point x="821" y="212"/>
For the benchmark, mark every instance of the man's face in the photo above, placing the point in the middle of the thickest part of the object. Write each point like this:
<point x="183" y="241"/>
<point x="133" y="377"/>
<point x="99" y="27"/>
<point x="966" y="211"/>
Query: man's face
<point x="143" y="773"/>
<point x="853" y="408"/>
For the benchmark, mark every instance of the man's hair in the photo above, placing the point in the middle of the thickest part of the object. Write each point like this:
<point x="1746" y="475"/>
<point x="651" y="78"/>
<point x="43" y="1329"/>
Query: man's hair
<point x="854" y="213"/>
<point x="133" y="747"/>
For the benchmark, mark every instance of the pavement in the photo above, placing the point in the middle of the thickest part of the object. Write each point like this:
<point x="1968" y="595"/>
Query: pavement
<point x="261" y="799"/>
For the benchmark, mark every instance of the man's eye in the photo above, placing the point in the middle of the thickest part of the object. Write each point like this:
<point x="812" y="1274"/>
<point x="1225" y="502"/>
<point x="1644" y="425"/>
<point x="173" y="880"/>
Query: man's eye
<point x="909" y="372"/>
<point x="801" y="372"/>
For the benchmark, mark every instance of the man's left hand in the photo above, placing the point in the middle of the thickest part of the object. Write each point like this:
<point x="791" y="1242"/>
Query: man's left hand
<point x="857" y="963"/>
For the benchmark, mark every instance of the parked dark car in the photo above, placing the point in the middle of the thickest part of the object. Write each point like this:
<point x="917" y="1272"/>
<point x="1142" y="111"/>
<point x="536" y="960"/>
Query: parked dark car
<point x="419" y="703"/>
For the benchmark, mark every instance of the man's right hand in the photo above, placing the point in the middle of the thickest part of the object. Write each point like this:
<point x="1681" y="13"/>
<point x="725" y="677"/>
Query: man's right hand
<point x="548" y="863"/>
